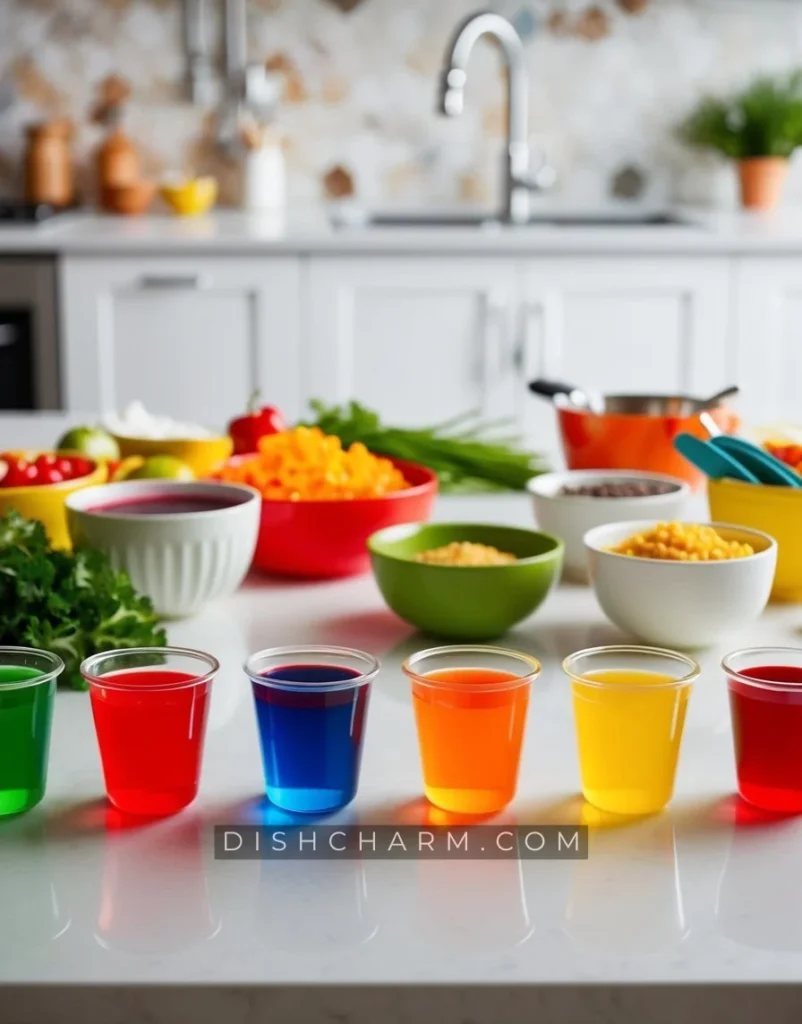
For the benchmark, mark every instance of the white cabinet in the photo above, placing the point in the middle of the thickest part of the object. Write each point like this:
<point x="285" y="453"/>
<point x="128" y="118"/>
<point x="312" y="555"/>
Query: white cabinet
<point x="191" y="338"/>
<point x="768" y="342"/>
<point x="418" y="339"/>
<point x="622" y="325"/>
<point x="422" y="339"/>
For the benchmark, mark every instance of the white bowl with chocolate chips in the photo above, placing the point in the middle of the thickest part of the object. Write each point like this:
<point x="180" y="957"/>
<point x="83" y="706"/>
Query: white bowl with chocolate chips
<point x="571" y="503"/>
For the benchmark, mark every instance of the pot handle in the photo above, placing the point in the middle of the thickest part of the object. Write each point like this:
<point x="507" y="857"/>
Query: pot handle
<point x="550" y="388"/>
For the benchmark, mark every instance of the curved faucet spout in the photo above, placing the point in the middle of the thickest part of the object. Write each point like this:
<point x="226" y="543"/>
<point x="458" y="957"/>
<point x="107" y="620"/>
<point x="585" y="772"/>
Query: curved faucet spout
<point x="458" y="53"/>
<point x="519" y="183"/>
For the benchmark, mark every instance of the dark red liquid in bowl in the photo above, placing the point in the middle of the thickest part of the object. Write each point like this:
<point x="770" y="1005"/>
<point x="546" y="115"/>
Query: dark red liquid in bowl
<point x="164" y="504"/>
<point x="767" y="732"/>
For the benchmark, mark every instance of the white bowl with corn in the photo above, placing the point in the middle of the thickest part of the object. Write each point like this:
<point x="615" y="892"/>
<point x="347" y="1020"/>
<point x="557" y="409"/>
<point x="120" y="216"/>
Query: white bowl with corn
<point x="680" y="585"/>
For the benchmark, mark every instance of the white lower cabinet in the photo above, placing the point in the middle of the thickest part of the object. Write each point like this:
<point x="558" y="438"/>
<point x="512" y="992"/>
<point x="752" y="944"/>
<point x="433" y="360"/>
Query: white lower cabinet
<point x="190" y="338"/>
<point x="768" y="342"/>
<point x="622" y="325"/>
<point x="422" y="339"/>
<point x="418" y="339"/>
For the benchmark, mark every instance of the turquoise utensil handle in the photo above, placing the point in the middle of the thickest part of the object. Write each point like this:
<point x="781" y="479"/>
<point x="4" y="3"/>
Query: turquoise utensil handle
<point x="766" y="467"/>
<point x="713" y="461"/>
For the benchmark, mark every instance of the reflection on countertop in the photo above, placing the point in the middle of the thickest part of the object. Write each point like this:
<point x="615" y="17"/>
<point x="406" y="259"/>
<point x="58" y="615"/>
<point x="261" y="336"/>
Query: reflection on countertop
<point x="693" y="895"/>
<point x="626" y="857"/>
<point x="759" y="900"/>
<point x="154" y="894"/>
<point x="33" y="897"/>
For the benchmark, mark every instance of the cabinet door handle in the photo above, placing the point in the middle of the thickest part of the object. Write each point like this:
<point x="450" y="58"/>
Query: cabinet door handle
<point x="494" y="339"/>
<point x="524" y="358"/>
<point x="187" y="282"/>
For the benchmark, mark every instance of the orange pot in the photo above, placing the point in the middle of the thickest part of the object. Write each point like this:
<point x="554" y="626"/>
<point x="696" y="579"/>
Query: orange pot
<point x="762" y="179"/>
<point x="618" y="441"/>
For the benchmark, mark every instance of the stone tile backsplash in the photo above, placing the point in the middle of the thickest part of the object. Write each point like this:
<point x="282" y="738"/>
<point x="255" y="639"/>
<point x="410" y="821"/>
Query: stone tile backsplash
<point x="609" y="80"/>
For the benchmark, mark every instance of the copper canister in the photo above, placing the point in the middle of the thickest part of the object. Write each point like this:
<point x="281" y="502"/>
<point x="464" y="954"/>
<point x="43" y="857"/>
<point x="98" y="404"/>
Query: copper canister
<point x="48" y="164"/>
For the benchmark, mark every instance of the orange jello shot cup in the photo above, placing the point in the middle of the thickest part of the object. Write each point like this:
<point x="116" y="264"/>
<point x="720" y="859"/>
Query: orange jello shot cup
<point x="470" y="707"/>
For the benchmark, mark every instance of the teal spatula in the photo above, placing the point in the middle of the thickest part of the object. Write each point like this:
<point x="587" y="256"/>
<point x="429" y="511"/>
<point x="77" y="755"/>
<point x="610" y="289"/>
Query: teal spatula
<point x="768" y="469"/>
<point x="713" y="461"/>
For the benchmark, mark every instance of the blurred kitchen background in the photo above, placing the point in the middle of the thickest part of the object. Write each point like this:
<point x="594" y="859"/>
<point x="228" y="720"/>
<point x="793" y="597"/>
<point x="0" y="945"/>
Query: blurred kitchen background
<point x="199" y="198"/>
<point x="609" y="81"/>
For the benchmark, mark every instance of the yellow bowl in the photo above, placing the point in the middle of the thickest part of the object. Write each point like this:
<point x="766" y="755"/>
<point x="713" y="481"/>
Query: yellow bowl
<point x="203" y="455"/>
<point x="46" y="501"/>
<point x="773" y="510"/>
<point x="190" y="198"/>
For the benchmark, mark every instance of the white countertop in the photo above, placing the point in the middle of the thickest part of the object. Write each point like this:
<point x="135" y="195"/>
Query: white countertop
<point x="233" y="232"/>
<point x="693" y="895"/>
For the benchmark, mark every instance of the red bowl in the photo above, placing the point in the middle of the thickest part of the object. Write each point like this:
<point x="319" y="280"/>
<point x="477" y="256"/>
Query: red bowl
<point x="327" y="539"/>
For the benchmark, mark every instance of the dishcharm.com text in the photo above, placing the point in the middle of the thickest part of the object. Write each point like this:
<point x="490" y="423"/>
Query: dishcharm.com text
<point x="406" y="842"/>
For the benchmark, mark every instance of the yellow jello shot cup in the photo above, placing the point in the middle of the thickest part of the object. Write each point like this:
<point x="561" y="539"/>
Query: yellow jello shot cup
<point x="629" y="711"/>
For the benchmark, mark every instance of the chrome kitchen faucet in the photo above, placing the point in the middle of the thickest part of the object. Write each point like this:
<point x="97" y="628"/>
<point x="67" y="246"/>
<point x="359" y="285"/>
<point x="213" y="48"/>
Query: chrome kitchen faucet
<point x="519" y="179"/>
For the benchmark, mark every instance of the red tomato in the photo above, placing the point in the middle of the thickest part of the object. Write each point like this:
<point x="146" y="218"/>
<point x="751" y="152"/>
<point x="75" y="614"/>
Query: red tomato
<point x="22" y="474"/>
<point x="246" y="430"/>
<point x="67" y="467"/>
<point x="7" y="470"/>
<point x="45" y="461"/>
<point x="80" y="467"/>
<point x="50" y="475"/>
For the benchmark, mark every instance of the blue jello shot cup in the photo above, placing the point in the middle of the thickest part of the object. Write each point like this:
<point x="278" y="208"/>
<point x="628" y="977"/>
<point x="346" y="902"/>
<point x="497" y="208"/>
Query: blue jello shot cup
<point x="311" y="708"/>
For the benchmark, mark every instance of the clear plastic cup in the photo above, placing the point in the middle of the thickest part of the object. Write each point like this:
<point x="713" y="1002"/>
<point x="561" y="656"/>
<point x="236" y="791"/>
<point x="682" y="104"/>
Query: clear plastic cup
<point x="311" y="708"/>
<point x="629" y="711"/>
<point x="27" y="686"/>
<point x="150" y="706"/>
<point x="765" y="686"/>
<point x="470" y="708"/>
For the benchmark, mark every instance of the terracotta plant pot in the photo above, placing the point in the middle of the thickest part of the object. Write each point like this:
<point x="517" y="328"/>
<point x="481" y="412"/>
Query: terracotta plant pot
<point x="762" y="179"/>
<point x="128" y="200"/>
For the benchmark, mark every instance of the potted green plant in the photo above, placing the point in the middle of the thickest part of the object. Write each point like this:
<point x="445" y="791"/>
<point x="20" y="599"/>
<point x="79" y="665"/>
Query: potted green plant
<point x="759" y="128"/>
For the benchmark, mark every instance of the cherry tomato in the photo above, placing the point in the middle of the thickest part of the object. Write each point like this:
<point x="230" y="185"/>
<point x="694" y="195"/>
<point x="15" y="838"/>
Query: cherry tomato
<point x="67" y="467"/>
<point x="8" y="468"/>
<point x="50" y="475"/>
<point x="45" y="461"/>
<point x="80" y="467"/>
<point x="21" y="474"/>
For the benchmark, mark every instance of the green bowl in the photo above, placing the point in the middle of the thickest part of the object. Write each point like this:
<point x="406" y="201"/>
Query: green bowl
<point x="464" y="602"/>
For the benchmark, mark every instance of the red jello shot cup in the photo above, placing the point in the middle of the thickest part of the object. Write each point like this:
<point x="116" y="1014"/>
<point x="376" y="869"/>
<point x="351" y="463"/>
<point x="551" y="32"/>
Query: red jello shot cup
<point x="150" y="706"/>
<point x="765" y="685"/>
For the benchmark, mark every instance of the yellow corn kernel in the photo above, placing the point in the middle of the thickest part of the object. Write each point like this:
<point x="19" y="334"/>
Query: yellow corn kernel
<point x="684" y="542"/>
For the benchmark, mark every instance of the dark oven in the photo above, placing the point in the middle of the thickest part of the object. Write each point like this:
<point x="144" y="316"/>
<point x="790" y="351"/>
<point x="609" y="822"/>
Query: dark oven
<point x="29" y="371"/>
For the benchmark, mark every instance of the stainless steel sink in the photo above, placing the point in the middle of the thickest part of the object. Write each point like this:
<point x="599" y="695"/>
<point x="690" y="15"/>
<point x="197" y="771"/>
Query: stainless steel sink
<point x="434" y="219"/>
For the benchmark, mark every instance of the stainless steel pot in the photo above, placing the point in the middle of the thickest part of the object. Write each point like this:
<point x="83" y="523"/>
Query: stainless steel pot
<point x="634" y="405"/>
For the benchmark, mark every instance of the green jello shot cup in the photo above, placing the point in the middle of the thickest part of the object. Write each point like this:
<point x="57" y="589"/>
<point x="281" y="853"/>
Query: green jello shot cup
<point x="27" y="687"/>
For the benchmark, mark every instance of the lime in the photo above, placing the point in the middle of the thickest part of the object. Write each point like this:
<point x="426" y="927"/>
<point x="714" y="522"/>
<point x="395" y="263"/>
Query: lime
<point x="90" y="441"/>
<point x="158" y="467"/>
<point x="123" y="470"/>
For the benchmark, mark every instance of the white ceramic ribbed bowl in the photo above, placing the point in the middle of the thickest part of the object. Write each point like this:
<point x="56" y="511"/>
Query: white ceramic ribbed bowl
<point x="680" y="605"/>
<point x="181" y="560"/>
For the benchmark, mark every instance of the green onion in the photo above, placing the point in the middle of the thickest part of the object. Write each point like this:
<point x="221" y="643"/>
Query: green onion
<point x="466" y="452"/>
